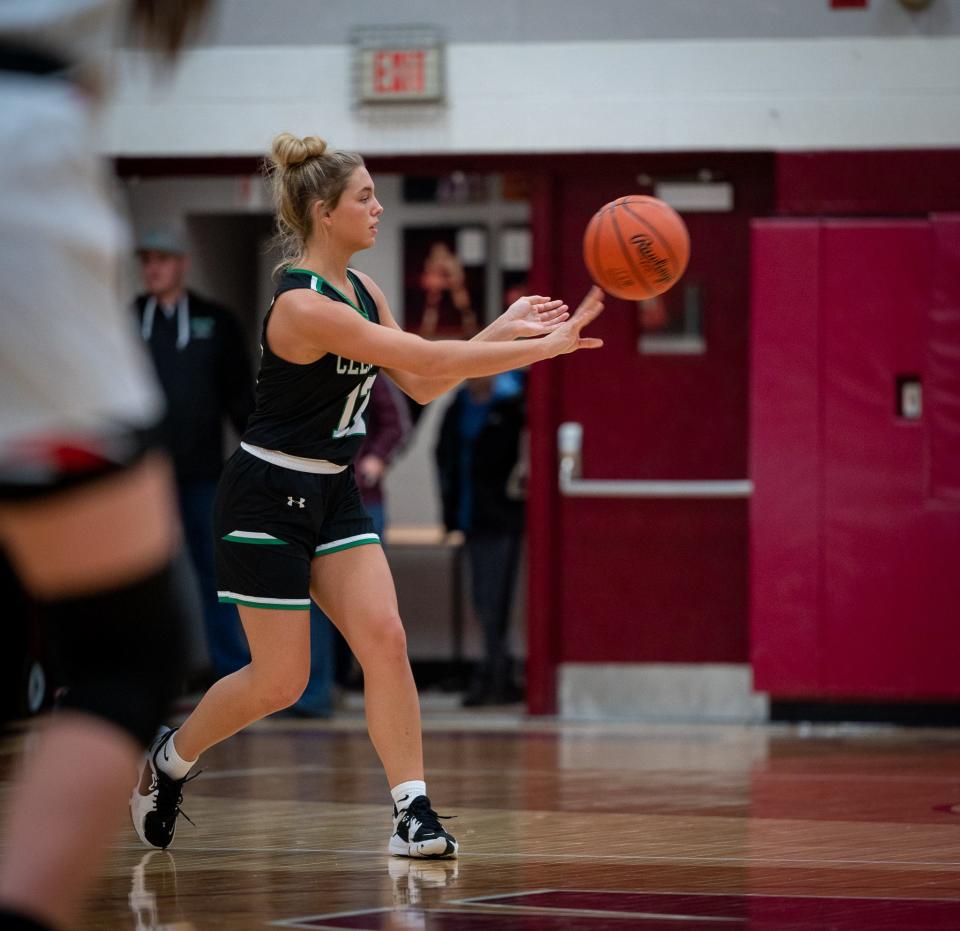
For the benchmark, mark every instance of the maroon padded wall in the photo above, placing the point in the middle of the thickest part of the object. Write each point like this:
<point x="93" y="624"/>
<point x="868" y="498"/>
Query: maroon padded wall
<point x="854" y="582"/>
<point x="785" y="597"/>
<point x="943" y="389"/>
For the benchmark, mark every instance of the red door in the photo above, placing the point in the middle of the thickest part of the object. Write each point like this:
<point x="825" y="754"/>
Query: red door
<point x="637" y="580"/>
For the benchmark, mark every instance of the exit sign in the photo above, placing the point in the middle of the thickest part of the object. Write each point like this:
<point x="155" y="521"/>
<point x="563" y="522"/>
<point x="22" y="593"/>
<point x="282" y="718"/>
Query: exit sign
<point x="396" y="65"/>
<point x="849" y="4"/>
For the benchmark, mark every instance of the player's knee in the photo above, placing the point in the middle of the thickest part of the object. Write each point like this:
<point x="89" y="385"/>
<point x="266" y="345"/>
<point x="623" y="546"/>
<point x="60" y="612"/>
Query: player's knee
<point x="281" y="695"/>
<point x="120" y="650"/>
<point x="292" y="688"/>
<point x="384" y="640"/>
<point x="279" y="687"/>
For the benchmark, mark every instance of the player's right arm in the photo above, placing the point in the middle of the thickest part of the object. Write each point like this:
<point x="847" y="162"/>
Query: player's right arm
<point x="529" y="317"/>
<point x="306" y="325"/>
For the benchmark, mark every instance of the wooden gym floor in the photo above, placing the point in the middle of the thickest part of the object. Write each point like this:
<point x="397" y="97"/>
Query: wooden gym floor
<point x="562" y="826"/>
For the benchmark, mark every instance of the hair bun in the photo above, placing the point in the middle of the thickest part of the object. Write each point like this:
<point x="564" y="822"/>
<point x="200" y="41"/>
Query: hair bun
<point x="289" y="150"/>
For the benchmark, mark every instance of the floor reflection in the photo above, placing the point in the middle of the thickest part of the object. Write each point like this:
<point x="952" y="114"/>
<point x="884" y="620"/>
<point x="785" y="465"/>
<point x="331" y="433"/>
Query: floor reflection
<point x="421" y="883"/>
<point x="153" y="894"/>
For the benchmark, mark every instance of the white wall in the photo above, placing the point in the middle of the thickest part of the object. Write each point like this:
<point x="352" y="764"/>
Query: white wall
<point x="736" y="94"/>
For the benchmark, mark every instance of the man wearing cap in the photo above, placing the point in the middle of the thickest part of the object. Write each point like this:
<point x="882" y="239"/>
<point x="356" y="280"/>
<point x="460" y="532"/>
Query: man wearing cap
<point x="203" y="366"/>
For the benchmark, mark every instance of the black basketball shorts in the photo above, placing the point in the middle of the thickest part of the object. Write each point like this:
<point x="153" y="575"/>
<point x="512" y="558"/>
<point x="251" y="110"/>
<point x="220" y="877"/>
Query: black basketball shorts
<point x="270" y="522"/>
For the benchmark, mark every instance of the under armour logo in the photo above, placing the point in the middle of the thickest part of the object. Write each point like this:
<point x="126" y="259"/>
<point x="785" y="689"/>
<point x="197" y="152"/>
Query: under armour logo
<point x="291" y="501"/>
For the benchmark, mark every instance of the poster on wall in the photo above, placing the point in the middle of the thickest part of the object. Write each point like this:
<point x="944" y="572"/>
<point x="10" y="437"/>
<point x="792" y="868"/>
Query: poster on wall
<point x="444" y="272"/>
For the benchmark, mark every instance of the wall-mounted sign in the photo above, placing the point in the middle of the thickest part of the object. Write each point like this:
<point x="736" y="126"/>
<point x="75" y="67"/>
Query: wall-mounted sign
<point x="398" y="64"/>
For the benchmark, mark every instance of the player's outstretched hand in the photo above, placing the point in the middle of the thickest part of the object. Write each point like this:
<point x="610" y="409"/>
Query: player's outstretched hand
<point x="566" y="337"/>
<point x="532" y="316"/>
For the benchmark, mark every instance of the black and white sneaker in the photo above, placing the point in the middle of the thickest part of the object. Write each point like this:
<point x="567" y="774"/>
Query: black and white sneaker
<point x="417" y="832"/>
<point x="155" y="802"/>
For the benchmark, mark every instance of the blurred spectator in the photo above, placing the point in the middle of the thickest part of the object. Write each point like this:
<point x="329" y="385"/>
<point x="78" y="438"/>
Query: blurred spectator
<point x="201" y="360"/>
<point x="388" y="426"/>
<point x="443" y="274"/>
<point x="481" y="469"/>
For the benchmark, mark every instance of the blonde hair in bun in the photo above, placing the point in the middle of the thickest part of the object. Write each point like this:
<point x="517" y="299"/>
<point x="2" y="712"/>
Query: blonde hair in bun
<point x="302" y="172"/>
<point x="289" y="150"/>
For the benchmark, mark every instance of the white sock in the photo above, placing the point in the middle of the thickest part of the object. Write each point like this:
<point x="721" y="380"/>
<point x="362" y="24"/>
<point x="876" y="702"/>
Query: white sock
<point x="170" y="762"/>
<point x="406" y="792"/>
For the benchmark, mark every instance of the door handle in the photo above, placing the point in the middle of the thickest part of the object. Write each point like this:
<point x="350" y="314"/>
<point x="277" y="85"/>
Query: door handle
<point x="569" y="446"/>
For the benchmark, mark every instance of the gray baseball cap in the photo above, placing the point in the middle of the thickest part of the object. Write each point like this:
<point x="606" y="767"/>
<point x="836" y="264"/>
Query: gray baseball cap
<point x="162" y="240"/>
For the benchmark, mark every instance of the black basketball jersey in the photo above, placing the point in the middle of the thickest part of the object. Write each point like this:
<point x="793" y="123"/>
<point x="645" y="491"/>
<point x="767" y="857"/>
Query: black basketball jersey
<point x="313" y="410"/>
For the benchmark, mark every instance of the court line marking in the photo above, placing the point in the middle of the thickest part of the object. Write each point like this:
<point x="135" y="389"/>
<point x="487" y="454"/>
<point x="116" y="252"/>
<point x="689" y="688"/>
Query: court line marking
<point x="520" y="910"/>
<point x="544" y="910"/>
<point x="732" y="895"/>
<point x="712" y="773"/>
<point x="758" y="861"/>
<point x="488" y="901"/>
<point x="449" y="720"/>
<point x="328" y="916"/>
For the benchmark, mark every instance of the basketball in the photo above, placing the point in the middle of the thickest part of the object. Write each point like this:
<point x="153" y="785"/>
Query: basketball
<point x="636" y="247"/>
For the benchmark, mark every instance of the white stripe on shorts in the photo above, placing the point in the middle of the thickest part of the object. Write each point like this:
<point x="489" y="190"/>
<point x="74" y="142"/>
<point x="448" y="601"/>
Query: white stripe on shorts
<point x="346" y="543"/>
<point x="255" y="599"/>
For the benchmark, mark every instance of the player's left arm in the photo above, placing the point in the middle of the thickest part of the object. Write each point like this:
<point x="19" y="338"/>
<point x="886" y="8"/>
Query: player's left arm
<point x="526" y="318"/>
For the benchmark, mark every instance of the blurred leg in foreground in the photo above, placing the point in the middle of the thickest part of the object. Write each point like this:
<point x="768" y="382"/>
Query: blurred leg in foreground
<point x="109" y="605"/>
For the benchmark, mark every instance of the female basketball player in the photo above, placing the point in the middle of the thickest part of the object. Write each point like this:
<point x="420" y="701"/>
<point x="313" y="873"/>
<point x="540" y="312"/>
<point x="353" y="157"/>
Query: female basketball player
<point x="289" y="521"/>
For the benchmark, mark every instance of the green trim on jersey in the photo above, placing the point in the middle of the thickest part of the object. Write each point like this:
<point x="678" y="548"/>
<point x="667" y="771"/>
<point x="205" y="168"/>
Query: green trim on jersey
<point x="258" y="539"/>
<point x="315" y="278"/>
<point x="347" y="543"/>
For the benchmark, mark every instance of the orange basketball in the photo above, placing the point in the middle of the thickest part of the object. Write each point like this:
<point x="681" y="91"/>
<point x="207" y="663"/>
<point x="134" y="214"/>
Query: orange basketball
<point x="636" y="247"/>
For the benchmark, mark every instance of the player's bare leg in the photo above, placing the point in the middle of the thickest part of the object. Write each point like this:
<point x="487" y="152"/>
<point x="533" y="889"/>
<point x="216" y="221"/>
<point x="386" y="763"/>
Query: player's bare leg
<point x="275" y="678"/>
<point x="278" y="672"/>
<point x="355" y="589"/>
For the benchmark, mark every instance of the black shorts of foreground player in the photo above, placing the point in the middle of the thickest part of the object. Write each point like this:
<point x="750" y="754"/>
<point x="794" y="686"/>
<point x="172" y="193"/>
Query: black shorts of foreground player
<point x="289" y="522"/>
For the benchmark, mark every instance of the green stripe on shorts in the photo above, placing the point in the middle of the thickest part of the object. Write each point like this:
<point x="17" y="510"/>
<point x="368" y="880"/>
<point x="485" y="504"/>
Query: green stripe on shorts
<point x="249" y="536"/>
